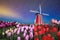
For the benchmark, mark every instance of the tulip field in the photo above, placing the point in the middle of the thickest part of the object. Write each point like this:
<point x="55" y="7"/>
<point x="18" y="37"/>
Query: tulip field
<point x="16" y="31"/>
<point x="43" y="32"/>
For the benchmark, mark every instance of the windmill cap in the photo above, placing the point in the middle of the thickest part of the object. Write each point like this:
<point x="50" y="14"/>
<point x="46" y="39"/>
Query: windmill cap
<point x="37" y="13"/>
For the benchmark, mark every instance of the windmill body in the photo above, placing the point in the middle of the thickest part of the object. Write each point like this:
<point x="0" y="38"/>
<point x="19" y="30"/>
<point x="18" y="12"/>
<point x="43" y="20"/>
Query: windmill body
<point x="38" y="19"/>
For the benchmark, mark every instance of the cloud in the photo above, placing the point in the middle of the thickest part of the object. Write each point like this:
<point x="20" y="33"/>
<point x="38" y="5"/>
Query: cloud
<point x="8" y="12"/>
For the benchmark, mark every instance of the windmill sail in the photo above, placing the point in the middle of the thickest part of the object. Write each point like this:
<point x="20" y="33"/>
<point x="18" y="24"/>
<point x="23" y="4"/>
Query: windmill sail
<point x="45" y="14"/>
<point x="34" y="11"/>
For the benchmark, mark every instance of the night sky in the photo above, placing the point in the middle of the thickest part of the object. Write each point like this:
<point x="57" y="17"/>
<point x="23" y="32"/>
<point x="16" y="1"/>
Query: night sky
<point x="23" y="7"/>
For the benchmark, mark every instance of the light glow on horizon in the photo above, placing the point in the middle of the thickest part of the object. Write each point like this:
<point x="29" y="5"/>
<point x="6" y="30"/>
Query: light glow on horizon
<point x="8" y="12"/>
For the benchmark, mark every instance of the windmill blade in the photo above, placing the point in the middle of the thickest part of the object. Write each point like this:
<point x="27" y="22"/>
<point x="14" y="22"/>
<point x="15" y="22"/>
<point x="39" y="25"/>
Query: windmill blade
<point x="45" y="14"/>
<point x="40" y="9"/>
<point x="34" y="11"/>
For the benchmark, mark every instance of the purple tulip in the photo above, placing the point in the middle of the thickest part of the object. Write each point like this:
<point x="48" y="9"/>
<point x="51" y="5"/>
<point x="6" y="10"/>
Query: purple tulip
<point x="7" y="24"/>
<point x="18" y="38"/>
<point x="2" y="25"/>
<point x="13" y="23"/>
<point x="9" y="34"/>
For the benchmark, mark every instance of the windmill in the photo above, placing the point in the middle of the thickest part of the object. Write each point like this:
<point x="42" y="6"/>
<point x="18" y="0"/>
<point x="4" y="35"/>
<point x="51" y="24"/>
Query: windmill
<point x="38" y="19"/>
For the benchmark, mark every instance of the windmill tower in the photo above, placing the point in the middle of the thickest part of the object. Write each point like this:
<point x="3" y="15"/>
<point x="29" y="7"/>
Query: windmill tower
<point x="38" y="19"/>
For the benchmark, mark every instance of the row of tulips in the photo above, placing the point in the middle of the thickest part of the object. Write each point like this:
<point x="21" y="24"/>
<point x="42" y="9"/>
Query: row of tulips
<point x="44" y="32"/>
<point x="7" y="24"/>
<point x="18" y="33"/>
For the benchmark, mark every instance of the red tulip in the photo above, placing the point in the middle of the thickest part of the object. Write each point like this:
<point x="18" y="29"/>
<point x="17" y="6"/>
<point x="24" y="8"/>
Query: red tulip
<point x="44" y="37"/>
<point x="46" y="29"/>
<point x="46" y="25"/>
<point x="52" y="38"/>
<point x="35" y="29"/>
<point x="48" y="35"/>
<point x="36" y="38"/>
<point x="58" y="35"/>
<point x="54" y="29"/>
<point x="42" y="26"/>
<point x="39" y="28"/>
<point x="35" y="33"/>
<point x="41" y="32"/>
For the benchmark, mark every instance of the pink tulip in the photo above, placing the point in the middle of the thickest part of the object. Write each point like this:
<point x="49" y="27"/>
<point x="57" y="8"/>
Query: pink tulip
<point x="29" y="27"/>
<point x="17" y="25"/>
<point x="53" y="20"/>
<point x="18" y="38"/>
<point x="26" y="27"/>
<point x="24" y="34"/>
<point x="15" y="30"/>
<point x="27" y="37"/>
<point x="25" y="31"/>
<point x="22" y="29"/>
<point x="18" y="32"/>
<point x="33" y="27"/>
<point x="59" y="22"/>
<point x="31" y="30"/>
<point x="9" y="34"/>
<point x="56" y="21"/>
<point x="31" y="35"/>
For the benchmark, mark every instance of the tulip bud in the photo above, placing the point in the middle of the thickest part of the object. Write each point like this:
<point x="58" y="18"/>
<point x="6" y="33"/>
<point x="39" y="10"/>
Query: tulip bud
<point x="18" y="38"/>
